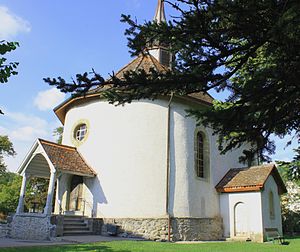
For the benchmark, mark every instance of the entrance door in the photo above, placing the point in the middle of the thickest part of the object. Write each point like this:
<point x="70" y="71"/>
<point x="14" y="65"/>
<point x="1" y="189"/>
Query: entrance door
<point x="76" y="189"/>
<point x="240" y="219"/>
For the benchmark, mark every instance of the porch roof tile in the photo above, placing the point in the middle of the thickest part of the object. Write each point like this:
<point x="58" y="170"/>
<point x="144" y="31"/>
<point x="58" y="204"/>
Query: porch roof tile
<point x="66" y="158"/>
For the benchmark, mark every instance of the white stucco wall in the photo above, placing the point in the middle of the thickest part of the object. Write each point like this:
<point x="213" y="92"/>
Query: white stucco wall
<point x="126" y="146"/>
<point x="253" y="212"/>
<point x="192" y="196"/>
<point x="268" y="221"/>
<point x="62" y="191"/>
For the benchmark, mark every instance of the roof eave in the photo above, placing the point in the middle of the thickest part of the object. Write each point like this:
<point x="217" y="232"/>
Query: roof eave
<point x="60" y="109"/>
<point x="199" y="101"/>
<point x="240" y="189"/>
<point x="27" y="157"/>
<point x="281" y="186"/>
<point x="77" y="173"/>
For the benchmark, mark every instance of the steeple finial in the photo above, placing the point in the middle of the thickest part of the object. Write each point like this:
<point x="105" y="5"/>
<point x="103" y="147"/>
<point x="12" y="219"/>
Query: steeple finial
<point x="160" y="15"/>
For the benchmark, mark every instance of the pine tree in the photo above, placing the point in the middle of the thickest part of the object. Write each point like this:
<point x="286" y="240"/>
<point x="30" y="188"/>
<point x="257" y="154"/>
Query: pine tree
<point x="250" y="48"/>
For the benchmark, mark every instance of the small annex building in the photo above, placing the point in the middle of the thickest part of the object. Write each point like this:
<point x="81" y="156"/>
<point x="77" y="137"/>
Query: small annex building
<point x="250" y="202"/>
<point x="145" y="169"/>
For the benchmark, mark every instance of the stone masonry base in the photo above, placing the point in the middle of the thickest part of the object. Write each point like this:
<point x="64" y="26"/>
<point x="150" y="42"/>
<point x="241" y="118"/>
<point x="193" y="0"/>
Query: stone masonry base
<point x="39" y="227"/>
<point x="182" y="229"/>
<point x="32" y="227"/>
<point x="4" y="230"/>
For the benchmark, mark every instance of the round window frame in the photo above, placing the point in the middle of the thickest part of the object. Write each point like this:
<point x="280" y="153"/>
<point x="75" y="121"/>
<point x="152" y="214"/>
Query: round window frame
<point x="79" y="123"/>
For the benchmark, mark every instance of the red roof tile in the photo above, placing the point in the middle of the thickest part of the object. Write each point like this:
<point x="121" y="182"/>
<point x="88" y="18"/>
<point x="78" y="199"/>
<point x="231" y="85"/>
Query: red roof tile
<point x="66" y="158"/>
<point x="249" y="179"/>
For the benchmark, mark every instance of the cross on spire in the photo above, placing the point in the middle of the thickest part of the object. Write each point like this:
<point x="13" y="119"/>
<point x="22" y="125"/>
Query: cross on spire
<point x="160" y="15"/>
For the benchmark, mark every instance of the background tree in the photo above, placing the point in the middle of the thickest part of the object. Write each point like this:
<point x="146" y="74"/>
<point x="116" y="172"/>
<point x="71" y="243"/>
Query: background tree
<point x="6" y="148"/>
<point x="250" y="48"/>
<point x="58" y="132"/>
<point x="10" y="184"/>
<point x="7" y="69"/>
<point x="36" y="194"/>
<point x="290" y="202"/>
<point x="291" y="170"/>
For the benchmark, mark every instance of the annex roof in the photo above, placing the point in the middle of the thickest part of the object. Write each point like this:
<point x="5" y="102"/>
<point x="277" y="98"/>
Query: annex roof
<point x="250" y="179"/>
<point x="45" y="154"/>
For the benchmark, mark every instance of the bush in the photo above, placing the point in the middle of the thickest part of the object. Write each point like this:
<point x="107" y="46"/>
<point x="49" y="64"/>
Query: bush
<point x="10" y="185"/>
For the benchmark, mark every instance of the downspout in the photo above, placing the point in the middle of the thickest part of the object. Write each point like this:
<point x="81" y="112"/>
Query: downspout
<point x="168" y="167"/>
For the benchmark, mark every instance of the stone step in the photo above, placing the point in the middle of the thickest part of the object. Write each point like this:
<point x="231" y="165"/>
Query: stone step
<point x="75" y="222"/>
<point x="73" y="217"/>
<point x="77" y="232"/>
<point x="66" y="229"/>
<point x="73" y="213"/>
<point x="75" y="225"/>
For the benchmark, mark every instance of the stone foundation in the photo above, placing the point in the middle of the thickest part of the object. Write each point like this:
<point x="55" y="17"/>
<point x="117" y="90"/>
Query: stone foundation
<point x="195" y="229"/>
<point x="40" y="227"/>
<point x="152" y="229"/>
<point x="32" y="227"/>
<point x="182" y="229"/>
<point x="4" y="230"/>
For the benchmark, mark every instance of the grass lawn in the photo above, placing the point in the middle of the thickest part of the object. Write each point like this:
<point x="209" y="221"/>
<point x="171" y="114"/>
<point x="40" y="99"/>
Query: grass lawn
<point x="145" y="246"/>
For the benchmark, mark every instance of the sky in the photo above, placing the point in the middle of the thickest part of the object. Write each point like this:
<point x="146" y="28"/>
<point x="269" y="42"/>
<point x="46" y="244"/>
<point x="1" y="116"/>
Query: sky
<point x="63" y="38"/>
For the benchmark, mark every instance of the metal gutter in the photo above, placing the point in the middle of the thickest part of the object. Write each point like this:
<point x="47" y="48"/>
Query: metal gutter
<point x="168" y="167"/>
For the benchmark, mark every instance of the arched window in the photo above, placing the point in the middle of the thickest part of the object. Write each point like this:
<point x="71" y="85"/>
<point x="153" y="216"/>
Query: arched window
<point x="271" y="205"/>
<point x="199" y="155"/>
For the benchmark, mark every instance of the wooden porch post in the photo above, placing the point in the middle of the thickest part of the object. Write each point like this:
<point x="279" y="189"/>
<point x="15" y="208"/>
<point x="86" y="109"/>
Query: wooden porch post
<point x="48" y="207"/>
<point x="20" y="208"/>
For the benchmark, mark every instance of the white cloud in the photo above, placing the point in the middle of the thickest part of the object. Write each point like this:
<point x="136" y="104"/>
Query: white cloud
<point x="23" y="129"/>
<point x="27" y="133"/>
<point x="26" y="128"/>
<point x="48" y="99"/>
<point x="3" y="131"/>
<point x="11" y="24"/>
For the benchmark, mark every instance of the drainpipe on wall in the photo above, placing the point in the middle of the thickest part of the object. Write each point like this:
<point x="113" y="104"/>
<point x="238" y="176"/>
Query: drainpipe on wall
<point x="168" y="167"/>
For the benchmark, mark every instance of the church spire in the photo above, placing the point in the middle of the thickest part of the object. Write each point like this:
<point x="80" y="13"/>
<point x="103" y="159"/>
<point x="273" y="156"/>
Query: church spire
<point x="160" y="15"/>
<point x="160" y="50"/>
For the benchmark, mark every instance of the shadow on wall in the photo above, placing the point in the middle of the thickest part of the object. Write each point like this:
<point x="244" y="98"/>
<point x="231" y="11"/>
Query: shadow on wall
<point x="98" y="196"/>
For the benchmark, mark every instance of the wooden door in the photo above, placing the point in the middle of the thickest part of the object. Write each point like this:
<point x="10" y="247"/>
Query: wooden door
<point x="240" y="219"/>
<point x="76" y="189"/>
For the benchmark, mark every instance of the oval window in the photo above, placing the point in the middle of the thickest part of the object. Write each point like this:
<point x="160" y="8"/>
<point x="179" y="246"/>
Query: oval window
<point x="80" y="132"/>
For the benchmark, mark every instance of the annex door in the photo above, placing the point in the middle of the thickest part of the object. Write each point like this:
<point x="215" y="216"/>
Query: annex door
<point x="240" y="219"/>
<point x="76" y="189"/>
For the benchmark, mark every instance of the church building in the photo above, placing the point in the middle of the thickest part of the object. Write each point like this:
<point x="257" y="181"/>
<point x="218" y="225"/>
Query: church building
<point x="145" y="170"/>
